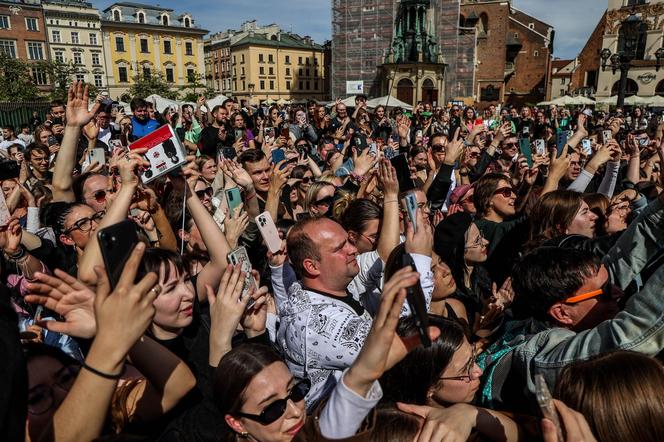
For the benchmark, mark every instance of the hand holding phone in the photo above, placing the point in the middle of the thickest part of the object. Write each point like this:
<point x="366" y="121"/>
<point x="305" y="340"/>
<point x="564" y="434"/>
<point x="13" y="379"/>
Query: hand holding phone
<point x="411" y="209"/>
<point x="233" y="199"/>
<point x="417" y="304"/>
<point x="269" y="231"/>
<point x="240" y="257"/>
<point x="117" y="242"/>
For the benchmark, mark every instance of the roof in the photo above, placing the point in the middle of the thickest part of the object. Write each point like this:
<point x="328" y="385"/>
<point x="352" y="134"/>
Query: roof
<point x="138" y="6"/>
<point x="287" y="40"/>
<point x="559" y="64"/>
<point x="519" y="15"/>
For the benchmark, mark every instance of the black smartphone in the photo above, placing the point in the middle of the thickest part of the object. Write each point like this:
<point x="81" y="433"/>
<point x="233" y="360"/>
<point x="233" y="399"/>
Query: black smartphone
<point x="116" y="243"/>
<point x="229" y="153"/>
<point x="52" y="140"/>
<point x="417" y="304"/>
<point x="400" y="164"/>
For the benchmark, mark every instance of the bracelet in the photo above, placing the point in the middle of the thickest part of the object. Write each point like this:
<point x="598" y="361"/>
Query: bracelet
<point x="18" y="255"/>
<point x="114" y="377"/>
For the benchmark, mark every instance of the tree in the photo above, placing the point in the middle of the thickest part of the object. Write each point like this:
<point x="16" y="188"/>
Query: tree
<point x="195" y="87"/>
<point x="63" y="75"/>
<point x="16" y="82"/>
<point x="146" y="84"/>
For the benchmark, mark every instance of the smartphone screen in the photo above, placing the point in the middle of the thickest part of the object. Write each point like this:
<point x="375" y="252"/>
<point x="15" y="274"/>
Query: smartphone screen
<point x="524" y="147"/>
<point x="278" y="155"/>
<point x="400" y="164"/>
<point x="561" y="140"/>
<point x="116" y="243"/>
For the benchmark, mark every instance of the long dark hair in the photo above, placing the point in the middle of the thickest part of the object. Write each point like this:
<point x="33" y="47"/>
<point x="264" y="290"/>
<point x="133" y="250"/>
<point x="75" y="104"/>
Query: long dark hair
<point x="236" y="370"/>
<point x="411" y="379"/>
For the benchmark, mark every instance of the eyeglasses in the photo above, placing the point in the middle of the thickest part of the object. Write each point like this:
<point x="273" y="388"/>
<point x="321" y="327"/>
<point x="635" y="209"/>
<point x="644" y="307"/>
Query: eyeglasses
<point x="85" y="224"/>
<point x="276" y="409"/>
<point x="302" y="145"/>
<point x="328" y="201"/>
<point x="437" y="147"/>
<point x="372" y="239"/>
<point x="473" y="155"/>
<point x="305" y="180"/>
<point x="504" y="191"/>
<point x="203" y="192"/>
<point x="468" y="369"/>
<point x="605" y="292"/>
<point x="506" y="145"/>
<point x="479" y="242"/>
<point x="40" y="398"/>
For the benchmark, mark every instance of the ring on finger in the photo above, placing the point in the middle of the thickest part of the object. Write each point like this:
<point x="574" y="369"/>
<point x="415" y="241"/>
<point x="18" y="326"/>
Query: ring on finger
<point x="156" y="290"/>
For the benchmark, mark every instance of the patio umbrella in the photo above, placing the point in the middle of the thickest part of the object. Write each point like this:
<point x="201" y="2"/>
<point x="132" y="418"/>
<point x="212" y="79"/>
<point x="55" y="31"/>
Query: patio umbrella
<point x="388" y="101"/>
<point x="656" y="101"/>
<point x="282" y="102"/>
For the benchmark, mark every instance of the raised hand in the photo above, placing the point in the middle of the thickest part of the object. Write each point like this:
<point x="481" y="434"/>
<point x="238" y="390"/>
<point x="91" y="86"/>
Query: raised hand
<point x="235" y="226"/>
<point x="91" y="130"/>
<point x="69" y="298"/>
<point x="77" y="113"/>
<point x="389" y="183"/>
<point x="10" y="237"/>
<point x="363" y="162"/>
<point x="237" y="173"/>
<point x="454" y="149"/>
<point x="419" y="241"/>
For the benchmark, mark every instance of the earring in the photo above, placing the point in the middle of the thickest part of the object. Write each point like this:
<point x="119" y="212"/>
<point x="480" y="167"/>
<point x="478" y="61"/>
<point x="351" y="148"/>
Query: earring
<point x="244" y="435"/>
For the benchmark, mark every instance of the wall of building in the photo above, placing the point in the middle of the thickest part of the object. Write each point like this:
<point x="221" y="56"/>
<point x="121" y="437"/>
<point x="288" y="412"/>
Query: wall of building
<point x="586" y="74"/>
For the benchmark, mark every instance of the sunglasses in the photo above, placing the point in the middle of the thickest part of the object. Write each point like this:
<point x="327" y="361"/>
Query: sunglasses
<point x="276" y="409"/>
<point x="605" y="292"/>
<point x="504" y="191"/>
<point x="328" y="200"/>
<point x="473" y="155"/>
<point x="506" y="145"/>
<point x="203" y="192"/>
<point x="305" y="180"/>
<point x="437" y="147"/>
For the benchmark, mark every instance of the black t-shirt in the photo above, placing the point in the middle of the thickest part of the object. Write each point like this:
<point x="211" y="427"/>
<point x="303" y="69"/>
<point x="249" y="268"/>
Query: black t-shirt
<point x="210" y="141"/>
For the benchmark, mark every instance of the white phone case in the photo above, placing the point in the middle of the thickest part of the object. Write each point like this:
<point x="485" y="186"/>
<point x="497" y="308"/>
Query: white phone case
<point x="269" y="231"/>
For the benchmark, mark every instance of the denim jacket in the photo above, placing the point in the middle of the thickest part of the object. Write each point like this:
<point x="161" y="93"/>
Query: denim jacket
<point x="530" y="347"/>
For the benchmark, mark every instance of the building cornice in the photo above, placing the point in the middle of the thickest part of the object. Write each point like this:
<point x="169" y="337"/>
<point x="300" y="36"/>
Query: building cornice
<point x="105" y="24"/>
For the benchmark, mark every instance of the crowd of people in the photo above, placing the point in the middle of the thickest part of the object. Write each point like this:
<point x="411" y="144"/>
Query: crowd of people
<point x="440" y="274"/>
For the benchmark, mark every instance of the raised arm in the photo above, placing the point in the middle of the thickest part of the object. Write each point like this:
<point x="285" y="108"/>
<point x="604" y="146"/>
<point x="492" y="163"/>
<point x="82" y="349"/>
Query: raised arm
<point x="77" y="116"/>
<point x="389" y="232"/>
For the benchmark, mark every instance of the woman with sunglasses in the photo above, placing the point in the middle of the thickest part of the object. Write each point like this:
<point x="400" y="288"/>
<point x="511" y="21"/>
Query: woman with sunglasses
<point x="320" y="199"/>
<point x="262" y="401"/>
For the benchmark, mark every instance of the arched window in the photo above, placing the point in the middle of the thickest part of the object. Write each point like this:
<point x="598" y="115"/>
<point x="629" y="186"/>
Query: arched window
<point x="164" y="20"/>
<point x="141" y="17"/>
<point x="116" y="15"/>
<point x="631" y="89"/>
<point x="187" y="22"/>
<point x="483" y="24"/>
<point x="405" y="91"/>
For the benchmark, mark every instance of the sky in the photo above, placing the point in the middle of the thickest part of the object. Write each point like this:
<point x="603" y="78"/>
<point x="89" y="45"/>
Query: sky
<point x="573" y="20"/>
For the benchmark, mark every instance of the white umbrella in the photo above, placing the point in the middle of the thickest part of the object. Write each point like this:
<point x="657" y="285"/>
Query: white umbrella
<point x="566" y="100"/>
<point x="635" y="100"/>
<point x="582" y="101"/>
<point x="608" y="100"/>
<point x="282" y="102"/>
<point x="388" y="101"/>
<point x="160" y="102"/>
<point x="216" y="101"/>
<point x="656" y="101"/>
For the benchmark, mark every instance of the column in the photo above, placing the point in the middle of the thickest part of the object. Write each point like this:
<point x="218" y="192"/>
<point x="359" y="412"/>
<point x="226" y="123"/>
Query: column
<point x="156" y="45"/>
<point x="178" y="61"/>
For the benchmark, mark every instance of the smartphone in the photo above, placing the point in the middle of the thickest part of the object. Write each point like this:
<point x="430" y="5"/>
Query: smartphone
<point x="546" y="405"/>
<point x="417" y="304"/>
<point x="229" y="153"/>
<point x="561" y="141"/>
<point x="114" y="144"/>
<point x="278" y="155"/>
<point x="5" y="216"/>
<point x="238" y="134"/>
<point x="607" y="135"/>
<point x="373" y="149"/>
<point x="52" y="140"/>
<point x="97" y="154"/>
<point x="525" y="130"/>
<point x="285" y="133"/>
<point x="587" y="147"/>
<point x="400" y="164"/>
<point x="233" y="199"/>
<point x="116" y="243"/>
<point x="540" y="147"/>
<point x="418" y="133"/>
<point x="240" y="257"/>
<point x="388" y="152"/>
<point x="57" y="121"/>
<point x="268" y="132"/>
<point x="526" y="151"/>
<point x="269" y="231"/>
<point x="411" y="208"/>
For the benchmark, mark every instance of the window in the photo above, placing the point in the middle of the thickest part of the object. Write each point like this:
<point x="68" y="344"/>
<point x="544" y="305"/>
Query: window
<point x="187" y="22"/>
<point x="77" y="58"/>
<point x="307" y="72"/>
<point x="536" y="53"/>
<point x="531" y="25"/>
<point x="315" y="61"/>
<point x="80" y="77"/>
<point x="307" y="61"/>
<point x="288" y="85"/>
<point x="74" y="38"/>
<point x="299" y="72"/>
<point x="260" y="58"/>
<point x="242" y="58"/>
<point x="147" y="73"/>
<point x="191" y="75"/>
<point x="262" y="85"/>
<point x="59" y="57"/>
<point x="39" y="76"/>
<point x="287" y="71"/>
<point x="55" y="36"/>
<point x="299" y="85"/>
<point x="242" y="70"/>
<point x="116" y="17"/>
<point x="299" y="60"/>
<point x="169" y="75"/>
<point x="8" y="47"/>
<point x="315" y="85"/>
<point x="144" y="45"/>
<point x="93" y="39"/>
<point x="270" y="58"/>
<point x="119" y="44"/>
<point x="141" y="17"/>
<point x="308" y="85"/>
<point x="35" y="50"/>
<point x="261" y="70"/>
<point x="562" y="80"/>
<point x="271" y="84"/>
<point x="122" y="74"/>
<point x="4" y="22"/>
<point x="271" y="70"/>
<point x="315" y="72"/>
<point x="95" y="59"/>
<point x="287" y="59"/>
<point x="98" y="80"/>
<point x="167" y="47"/>
<point x="244" y="86"/>
<point x="31" y="24"/>
<point x="164" y="20"/>
<point x="189" y="49"/>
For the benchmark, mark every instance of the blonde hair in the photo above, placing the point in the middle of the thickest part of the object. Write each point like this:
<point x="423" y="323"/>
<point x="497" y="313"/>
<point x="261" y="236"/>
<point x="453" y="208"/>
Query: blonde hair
<point x="312" y="193"/>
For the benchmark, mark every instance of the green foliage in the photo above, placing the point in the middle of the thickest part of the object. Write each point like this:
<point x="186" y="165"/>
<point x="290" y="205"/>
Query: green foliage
<point x="16" y="83"/>
<point x="154" y="83"/>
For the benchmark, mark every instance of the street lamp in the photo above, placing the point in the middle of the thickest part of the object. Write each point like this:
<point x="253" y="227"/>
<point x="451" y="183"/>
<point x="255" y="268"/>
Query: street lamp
<point x="622" y="60"/>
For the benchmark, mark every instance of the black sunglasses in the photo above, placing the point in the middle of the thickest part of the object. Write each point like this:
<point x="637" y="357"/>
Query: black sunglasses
<point x="305" y="180"/>
<point x="207" y="191"/>
<point x="328" y="200"/>
<point x="276" y="409"/>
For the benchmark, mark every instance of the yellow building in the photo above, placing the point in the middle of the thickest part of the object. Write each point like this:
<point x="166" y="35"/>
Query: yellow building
<point x="281" y="65"/>
<point x="146" y="39"/>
